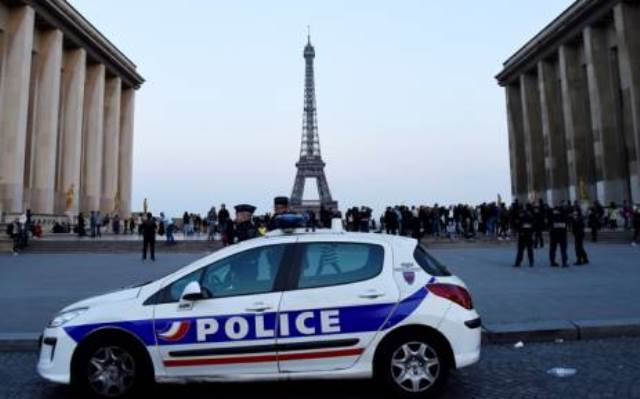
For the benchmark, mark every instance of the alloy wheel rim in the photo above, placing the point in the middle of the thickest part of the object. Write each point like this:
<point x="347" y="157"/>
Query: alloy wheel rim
<point x="111" y="371"/>
<point x="415" y="366"/>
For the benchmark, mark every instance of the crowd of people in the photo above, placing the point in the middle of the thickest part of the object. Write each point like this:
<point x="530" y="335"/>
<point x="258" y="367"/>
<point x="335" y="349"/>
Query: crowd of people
<point x="486" y="219"/>
<point x="494" y="219"/>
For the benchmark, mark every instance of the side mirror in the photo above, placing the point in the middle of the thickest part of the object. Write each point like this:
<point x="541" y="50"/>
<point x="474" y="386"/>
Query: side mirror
<point x="192" y="292"/>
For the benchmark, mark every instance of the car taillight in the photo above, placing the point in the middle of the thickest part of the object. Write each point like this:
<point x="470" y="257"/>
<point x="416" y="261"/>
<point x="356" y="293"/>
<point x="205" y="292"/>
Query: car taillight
<point x="454" y="293"/>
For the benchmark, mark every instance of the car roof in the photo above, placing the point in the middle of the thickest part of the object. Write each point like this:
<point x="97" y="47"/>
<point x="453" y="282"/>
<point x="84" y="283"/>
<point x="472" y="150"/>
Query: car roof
<point x="339" y="235"/>
<point x="280" y="237"/>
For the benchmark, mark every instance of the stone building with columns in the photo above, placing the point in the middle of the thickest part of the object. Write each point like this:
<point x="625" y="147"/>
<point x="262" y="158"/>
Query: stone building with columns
<point x="573" y="106"/>
<point x="66" y="113"/>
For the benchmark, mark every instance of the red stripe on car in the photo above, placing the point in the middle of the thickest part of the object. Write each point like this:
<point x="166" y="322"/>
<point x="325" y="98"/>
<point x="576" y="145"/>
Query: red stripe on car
<point x="262" y="358"/>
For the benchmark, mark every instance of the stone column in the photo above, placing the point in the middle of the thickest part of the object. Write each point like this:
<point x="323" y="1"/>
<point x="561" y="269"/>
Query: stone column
<point x="517" y="157"/>
<point x="45" y="138"/>
<point x="553" y="132"/>
<point x="126" y="152"/>
<point x="92" y="130"/>
<point x="14" y="100"/>
<point x="111" y="144"/>
<point x="627" y="23"/>
<point x="610" y="167"/>
<point x="69" y="161"/>
<point x="577" y="125"/>
<point x="534" y="144"/>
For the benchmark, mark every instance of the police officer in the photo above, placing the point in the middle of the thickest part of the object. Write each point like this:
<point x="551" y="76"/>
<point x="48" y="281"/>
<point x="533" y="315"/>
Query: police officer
<point x="280" y="207"/>
<point x="558" y="236"/>
<point x="636" y="225"/>
<point x="524" y="226"/>
<point x="245" y="229"/>
<point x="577" y="226"/>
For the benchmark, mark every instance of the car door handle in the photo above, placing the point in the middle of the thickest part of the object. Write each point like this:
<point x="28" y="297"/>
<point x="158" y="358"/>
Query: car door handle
<point x="373" y="294"/>
<point x="258" y="307"/>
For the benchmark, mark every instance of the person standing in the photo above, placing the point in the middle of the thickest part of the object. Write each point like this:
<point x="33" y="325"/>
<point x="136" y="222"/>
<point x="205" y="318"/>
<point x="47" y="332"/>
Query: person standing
<point x="577" y="227"/>
<point x="81" y="225"/>
<point x="245" y="229"/>
<point x="280" y="207"/>
<point x="14" y="230"/>
<point x="98" y="224"/>
<point x="523" y="223"/>
<point x="391" y="221"/>
<point x="558" y="236"/>
<point x="116" y="224"/>
<point x="636" y="225"/>
<point x="149" y="228"/>
<point x="92" y="224"/>
<point x="212" y="217"/>
<point x="538" y="225"/>
<point x="169" y="226"/>
<point x="224" y="220"/>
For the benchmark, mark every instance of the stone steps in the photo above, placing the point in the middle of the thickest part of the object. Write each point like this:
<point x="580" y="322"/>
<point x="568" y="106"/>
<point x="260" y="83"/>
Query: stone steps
<point x="110" y="245"/>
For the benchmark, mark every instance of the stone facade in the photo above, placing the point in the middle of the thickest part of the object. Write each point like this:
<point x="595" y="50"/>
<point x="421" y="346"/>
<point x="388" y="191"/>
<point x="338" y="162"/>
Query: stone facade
<point x="573" y="106"/>
<point x="66" y="113"/>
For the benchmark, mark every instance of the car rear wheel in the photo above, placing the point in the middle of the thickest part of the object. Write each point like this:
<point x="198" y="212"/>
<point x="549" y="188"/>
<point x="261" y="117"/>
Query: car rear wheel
<point x="412" y="367"/>
<point x="115" y="369"/>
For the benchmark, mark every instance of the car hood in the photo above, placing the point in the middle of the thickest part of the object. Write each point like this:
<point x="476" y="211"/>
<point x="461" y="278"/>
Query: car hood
<point x="111" y="297"/>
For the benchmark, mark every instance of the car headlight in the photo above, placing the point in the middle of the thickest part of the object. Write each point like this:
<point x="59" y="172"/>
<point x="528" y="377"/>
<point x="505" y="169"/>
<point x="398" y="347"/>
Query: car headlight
<point x="66" y="316"/>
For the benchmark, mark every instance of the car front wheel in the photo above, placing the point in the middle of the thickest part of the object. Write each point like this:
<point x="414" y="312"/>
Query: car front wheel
<point x="111" y="370"/>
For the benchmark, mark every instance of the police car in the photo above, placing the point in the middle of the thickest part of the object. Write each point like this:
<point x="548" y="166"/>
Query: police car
<point x="292" y="305"/>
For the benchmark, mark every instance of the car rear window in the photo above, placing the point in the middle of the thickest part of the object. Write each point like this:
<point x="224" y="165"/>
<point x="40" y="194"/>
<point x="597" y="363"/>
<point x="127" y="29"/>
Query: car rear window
<point x="328" y="263"/>
<point x="429" y="264"/>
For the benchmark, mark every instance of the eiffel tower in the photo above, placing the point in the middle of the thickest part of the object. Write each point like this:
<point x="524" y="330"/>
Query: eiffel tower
<point x="310" y="164"/>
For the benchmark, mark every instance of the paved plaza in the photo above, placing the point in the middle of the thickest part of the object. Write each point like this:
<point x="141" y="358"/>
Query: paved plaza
<point x="604" y="369"/>
<point x="34" y="286"/>
<point x="602" y="290"/>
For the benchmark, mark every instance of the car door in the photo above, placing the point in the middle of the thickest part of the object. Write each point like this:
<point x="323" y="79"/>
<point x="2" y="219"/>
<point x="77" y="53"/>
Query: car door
<point x="342" y="294"/>
<point x="232" y="330"/>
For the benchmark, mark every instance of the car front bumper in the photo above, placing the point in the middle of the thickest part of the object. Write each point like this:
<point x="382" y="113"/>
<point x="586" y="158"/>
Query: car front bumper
<point x="56" y="350"/>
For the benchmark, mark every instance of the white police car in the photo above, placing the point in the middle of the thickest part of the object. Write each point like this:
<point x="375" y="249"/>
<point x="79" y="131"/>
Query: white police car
<point x="325" y="305"/>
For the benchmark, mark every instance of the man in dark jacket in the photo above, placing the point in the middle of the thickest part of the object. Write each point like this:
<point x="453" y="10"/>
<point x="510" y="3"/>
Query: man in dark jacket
<point x="391" y="221"/>
<point x="245" y="229"/>
<point x="523" y="223"/>
<point x="577" y="226"/>
<point x="149" y="228"/>
<point x="636" y="225"/>
<point x="558" y="236"/>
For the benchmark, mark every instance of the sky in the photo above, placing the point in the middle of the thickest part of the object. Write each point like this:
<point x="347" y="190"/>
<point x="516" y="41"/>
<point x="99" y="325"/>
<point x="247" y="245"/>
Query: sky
<point x="409" y="111"/>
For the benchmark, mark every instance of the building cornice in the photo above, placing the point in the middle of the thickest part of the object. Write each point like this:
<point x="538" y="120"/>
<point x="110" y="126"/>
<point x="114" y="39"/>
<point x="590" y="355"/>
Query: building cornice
<point x="562" y="29"/>
<point x="77" y="29"/>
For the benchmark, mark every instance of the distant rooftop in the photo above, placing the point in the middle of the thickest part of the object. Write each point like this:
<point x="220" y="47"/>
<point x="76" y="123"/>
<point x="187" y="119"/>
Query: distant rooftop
<point x="564" y="28"/>
<point x="79" y="31"/>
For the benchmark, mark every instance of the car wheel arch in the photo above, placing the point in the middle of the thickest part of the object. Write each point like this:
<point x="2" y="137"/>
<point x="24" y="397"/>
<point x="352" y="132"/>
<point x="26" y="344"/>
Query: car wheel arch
<point x="415" y="330"/>
<point x="113" y="333"/>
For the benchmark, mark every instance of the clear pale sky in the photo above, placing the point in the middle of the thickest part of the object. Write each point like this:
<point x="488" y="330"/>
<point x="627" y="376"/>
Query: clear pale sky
<point x="408" y="109"/>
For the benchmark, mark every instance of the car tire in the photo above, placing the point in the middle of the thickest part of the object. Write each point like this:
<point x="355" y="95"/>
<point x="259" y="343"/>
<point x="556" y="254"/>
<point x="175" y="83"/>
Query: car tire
<point x="111" y="367"/>
<point x="412" y="366"/>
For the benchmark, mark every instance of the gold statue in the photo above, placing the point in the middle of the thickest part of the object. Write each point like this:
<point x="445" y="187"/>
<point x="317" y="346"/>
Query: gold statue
<point x="584" y="196"/>
<point x="145" y="206"/>
<point x="69" y="197"/>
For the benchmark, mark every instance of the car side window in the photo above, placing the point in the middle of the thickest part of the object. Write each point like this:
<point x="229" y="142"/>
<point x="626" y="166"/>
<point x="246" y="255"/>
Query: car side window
<point x="330" y="263"/>
<point x="173" y="291"/>
<point x="250" y="272"/>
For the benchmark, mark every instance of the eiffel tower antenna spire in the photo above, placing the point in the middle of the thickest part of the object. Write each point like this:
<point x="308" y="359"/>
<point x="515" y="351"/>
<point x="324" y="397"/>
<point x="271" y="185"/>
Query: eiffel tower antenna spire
<point x="310" y="164"/>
